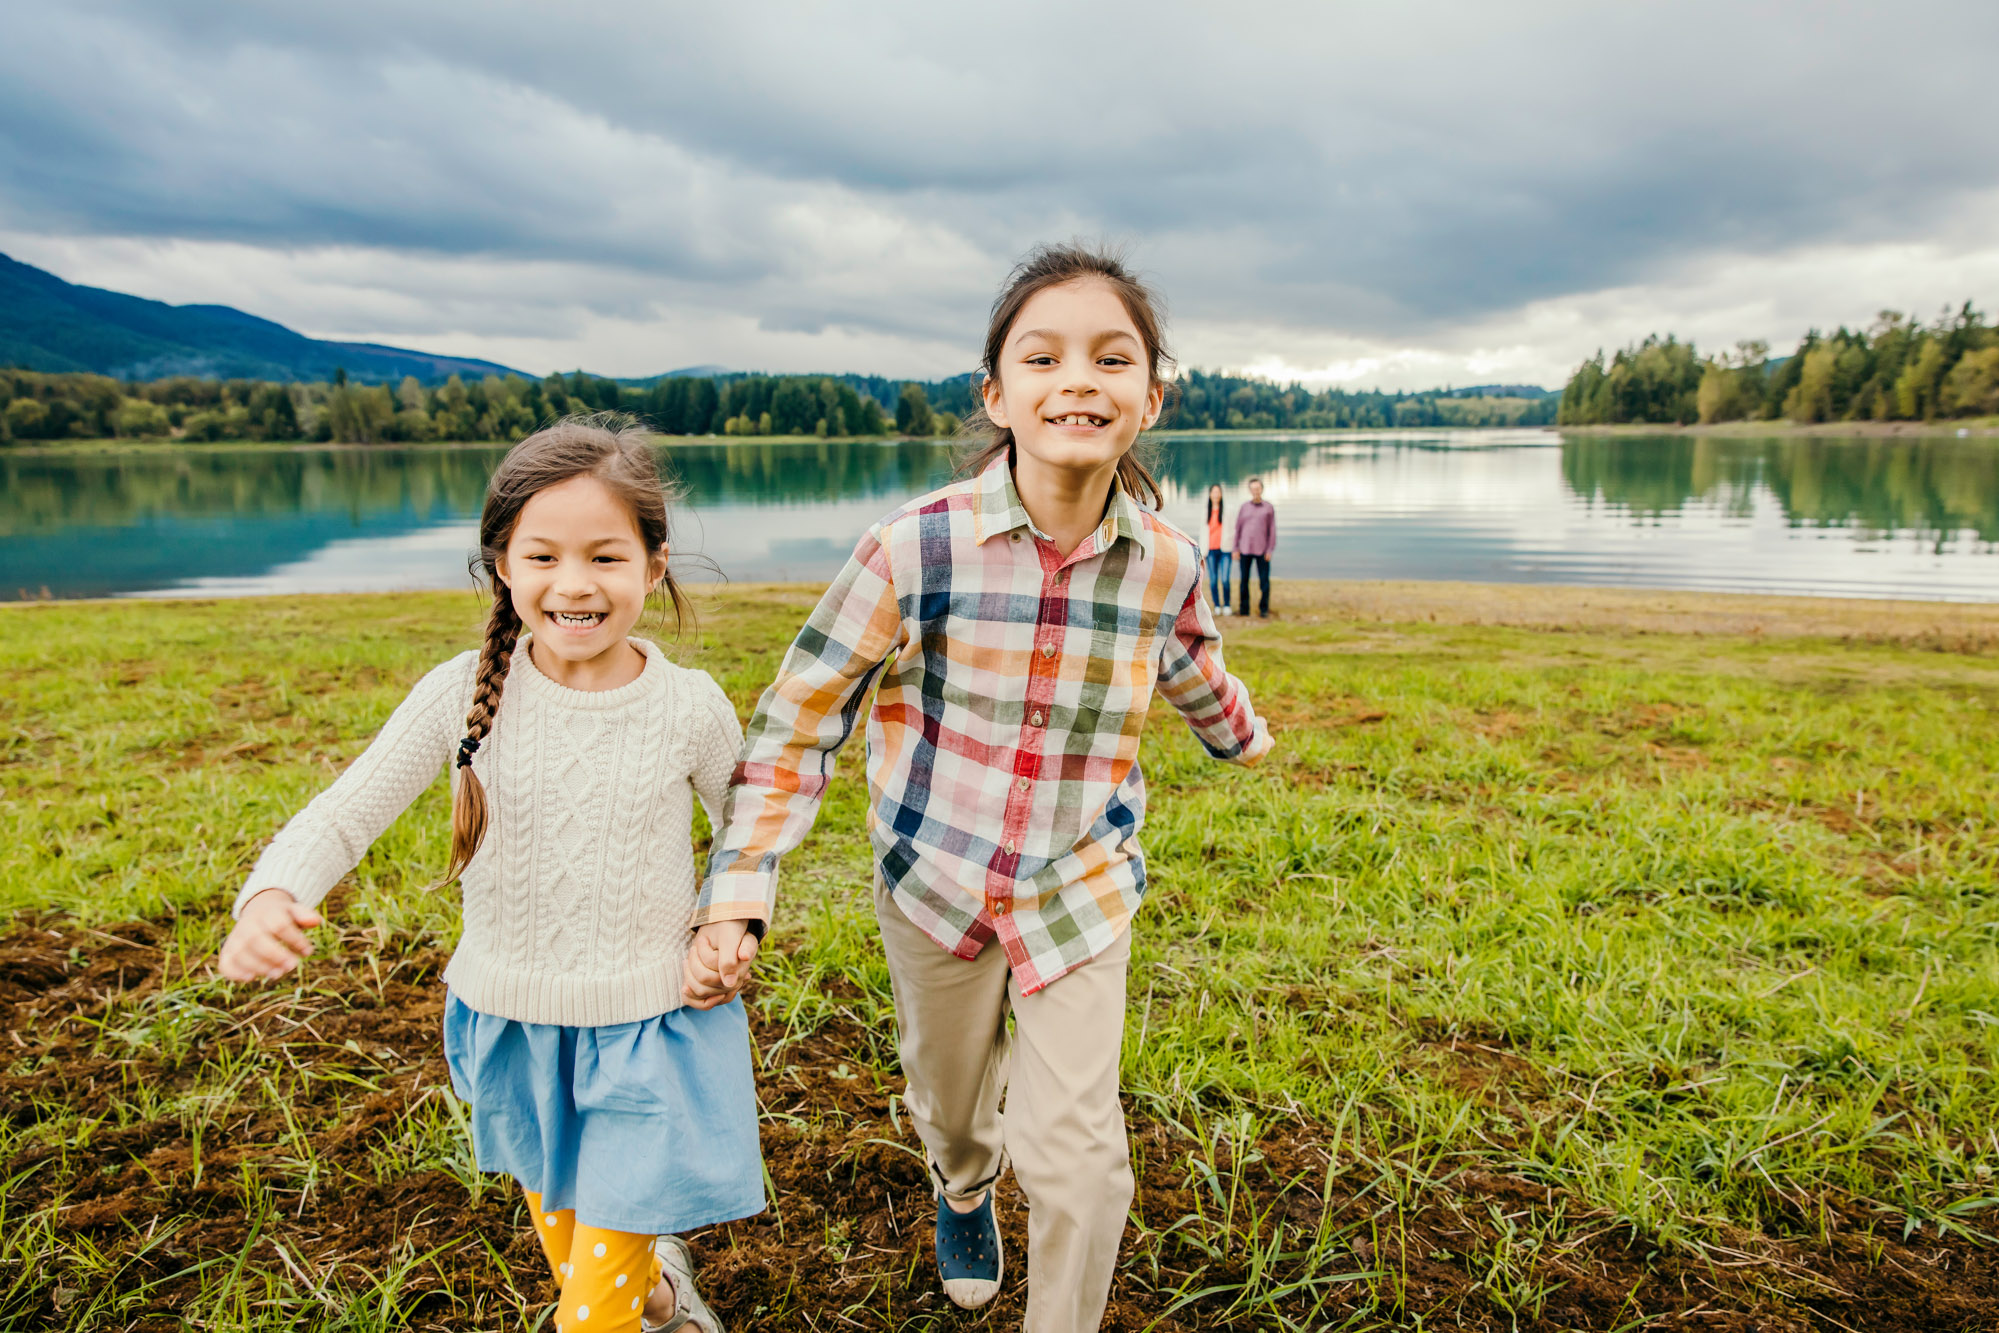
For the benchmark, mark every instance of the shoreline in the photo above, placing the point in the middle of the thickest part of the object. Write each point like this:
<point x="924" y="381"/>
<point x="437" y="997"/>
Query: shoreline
<point x="1967" y="627"/>
<point x="1969" y="428"/>
<point x="116" y="446"/>
<point x="1972" y="428"/>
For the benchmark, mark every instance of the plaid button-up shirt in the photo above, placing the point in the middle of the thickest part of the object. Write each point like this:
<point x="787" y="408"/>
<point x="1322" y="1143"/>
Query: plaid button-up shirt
<point x="1003" y="743"/>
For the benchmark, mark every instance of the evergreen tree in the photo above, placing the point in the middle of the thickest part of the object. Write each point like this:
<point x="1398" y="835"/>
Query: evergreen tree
<point x="912" y="412"/>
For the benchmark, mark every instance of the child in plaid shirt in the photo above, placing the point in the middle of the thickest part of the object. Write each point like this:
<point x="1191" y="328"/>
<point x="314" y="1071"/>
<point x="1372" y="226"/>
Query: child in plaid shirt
<point x="1020" y="621"/>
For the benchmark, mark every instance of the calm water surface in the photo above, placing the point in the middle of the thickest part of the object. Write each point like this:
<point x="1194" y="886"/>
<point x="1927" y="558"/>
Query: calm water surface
<point x="1860" y="517"/>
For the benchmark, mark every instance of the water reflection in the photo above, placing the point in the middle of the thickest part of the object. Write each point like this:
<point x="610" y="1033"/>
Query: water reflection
<point x="1873" y="517"/>
<point x="1935" y="489"/>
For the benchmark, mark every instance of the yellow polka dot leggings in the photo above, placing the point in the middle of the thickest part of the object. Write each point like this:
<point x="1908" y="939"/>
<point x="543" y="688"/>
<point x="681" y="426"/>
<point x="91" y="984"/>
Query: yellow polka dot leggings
<point x="604" y="1276"/>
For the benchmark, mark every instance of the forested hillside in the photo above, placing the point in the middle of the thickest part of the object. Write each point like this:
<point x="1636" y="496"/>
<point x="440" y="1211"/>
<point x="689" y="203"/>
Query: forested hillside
<point x="50" y="325"/>
<point x="88" y="363"/>
<point x="1210" y="401"/>
<point x="36" y="406"/>
<point x="39" y="406"/>
<point x="1895" y="370"/>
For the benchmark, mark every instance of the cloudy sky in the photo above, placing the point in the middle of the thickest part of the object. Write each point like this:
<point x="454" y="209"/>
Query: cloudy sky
<point x="1403" y="194"/>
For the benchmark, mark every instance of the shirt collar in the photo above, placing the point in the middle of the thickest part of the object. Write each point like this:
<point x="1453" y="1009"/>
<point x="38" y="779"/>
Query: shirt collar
<point x="999" y="510"/>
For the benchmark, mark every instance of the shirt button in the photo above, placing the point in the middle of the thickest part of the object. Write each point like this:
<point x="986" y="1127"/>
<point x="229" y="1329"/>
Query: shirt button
<point x="1023" y="784"/>
<point x="1016" y="538"/>
<point x="1002" y="907"/>
<point x="1037" y="718"/>
<point x="1048" y="650"/>
<point x="1011" y="847"/>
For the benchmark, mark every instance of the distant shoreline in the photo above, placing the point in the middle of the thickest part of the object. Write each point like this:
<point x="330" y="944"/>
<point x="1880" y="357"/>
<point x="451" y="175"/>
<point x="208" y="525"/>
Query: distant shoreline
<point x="1957" y="627"/>
<point x="138" y="446"/>
<point x="1974" y="428"/>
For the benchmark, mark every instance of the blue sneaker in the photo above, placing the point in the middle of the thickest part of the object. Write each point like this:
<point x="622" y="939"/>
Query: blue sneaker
<point x="969" y="1260"/>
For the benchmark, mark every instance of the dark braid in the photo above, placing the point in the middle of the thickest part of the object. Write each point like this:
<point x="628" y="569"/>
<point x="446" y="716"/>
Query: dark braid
<point x="468" y="805"/>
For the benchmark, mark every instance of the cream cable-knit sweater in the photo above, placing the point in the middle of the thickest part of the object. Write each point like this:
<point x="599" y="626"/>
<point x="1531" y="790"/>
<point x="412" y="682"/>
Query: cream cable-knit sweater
<point x="578" y="902"/>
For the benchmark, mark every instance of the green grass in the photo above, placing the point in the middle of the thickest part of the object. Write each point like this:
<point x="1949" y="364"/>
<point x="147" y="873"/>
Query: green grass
<point x="1696" y="932"/>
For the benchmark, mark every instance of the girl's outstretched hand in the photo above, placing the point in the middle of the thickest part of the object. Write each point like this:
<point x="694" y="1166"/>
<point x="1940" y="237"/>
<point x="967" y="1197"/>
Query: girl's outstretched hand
<point x="269" y="938"/>
<point x="718" y="963"/>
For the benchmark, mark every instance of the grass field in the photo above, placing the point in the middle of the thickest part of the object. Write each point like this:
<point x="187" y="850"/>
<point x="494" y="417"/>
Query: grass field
<point x="1581" y="960"/>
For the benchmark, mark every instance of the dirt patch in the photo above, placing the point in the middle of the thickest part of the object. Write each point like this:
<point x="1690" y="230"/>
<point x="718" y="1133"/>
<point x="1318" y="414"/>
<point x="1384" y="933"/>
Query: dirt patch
<point x="846" y="1245"/>
<point x="1328" y="713"/>
<point x="1502" y="724"/>
<point x="1480" y="1063"/>
<point x="1675" y="756"/>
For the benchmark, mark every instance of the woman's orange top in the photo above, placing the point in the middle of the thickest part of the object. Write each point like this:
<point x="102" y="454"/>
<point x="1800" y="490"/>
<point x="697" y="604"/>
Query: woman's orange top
<point x="1214" y="533"/>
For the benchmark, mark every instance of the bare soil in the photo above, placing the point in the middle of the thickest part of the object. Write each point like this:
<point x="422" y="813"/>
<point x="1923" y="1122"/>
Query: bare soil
<point x="847" y="1244"/>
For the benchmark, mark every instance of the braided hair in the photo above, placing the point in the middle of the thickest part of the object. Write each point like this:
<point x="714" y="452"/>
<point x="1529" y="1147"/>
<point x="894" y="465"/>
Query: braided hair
<point x="617" y="451"/>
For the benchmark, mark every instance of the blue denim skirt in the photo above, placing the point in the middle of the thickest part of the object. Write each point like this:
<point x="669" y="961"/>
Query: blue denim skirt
<point x="647" y="1127"/>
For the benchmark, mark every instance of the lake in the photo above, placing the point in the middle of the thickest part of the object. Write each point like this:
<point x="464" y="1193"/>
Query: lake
<point x="1908" y="518"/>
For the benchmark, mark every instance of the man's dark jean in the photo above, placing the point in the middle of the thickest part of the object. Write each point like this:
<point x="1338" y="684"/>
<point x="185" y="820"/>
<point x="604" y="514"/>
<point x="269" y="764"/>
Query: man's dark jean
<point x="1218" y="578"/>
<point x="1261" y="564"/>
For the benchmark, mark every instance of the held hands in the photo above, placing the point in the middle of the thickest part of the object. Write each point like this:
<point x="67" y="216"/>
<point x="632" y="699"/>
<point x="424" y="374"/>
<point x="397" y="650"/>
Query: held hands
<point x="718" y="963"/>
<point x="269" y="938"/>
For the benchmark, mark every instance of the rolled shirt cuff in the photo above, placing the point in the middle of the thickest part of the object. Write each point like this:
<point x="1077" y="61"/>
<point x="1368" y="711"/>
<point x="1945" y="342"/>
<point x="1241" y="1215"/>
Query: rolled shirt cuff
<point x="744" y="896"/>
<point x="1259" y="745"/>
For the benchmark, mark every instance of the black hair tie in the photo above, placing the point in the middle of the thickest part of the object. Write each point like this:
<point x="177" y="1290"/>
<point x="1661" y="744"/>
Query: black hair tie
<point x="466" y="748"/>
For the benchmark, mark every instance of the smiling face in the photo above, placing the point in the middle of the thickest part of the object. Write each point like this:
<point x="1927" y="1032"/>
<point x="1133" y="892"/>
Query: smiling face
<point x="1074" y="383"/>
<point x="578" y="572"/>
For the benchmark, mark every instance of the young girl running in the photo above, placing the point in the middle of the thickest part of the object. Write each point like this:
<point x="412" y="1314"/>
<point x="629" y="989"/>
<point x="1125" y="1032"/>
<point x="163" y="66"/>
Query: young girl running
<point x="624" y="1108"/>
<point x="1020" y="622"/>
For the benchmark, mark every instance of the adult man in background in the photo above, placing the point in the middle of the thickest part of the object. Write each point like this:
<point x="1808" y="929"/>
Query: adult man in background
<point x="1255" y="541"/>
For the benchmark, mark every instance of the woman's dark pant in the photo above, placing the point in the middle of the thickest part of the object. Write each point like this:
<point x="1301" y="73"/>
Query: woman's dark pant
<point x="1261" y="564"/>
<point x="1218" y="578"/>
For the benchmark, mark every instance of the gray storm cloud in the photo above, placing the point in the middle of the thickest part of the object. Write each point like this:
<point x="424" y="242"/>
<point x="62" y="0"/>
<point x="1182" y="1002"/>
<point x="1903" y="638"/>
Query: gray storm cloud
<point x="1374" y="171"/>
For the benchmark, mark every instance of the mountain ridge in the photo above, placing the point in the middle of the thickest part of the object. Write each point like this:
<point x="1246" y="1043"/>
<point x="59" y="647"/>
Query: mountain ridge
<point x="49" y="324"/>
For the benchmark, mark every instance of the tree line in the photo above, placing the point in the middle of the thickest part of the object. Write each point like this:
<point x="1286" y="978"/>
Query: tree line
<point x="1895" y="370"/>
<point x="1216" y="401"/>
<point x="41" y="406"/>
<point x="38" y="405"/>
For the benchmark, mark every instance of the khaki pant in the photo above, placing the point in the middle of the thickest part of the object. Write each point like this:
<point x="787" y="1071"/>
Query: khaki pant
<point x="1062" y="1129"/>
